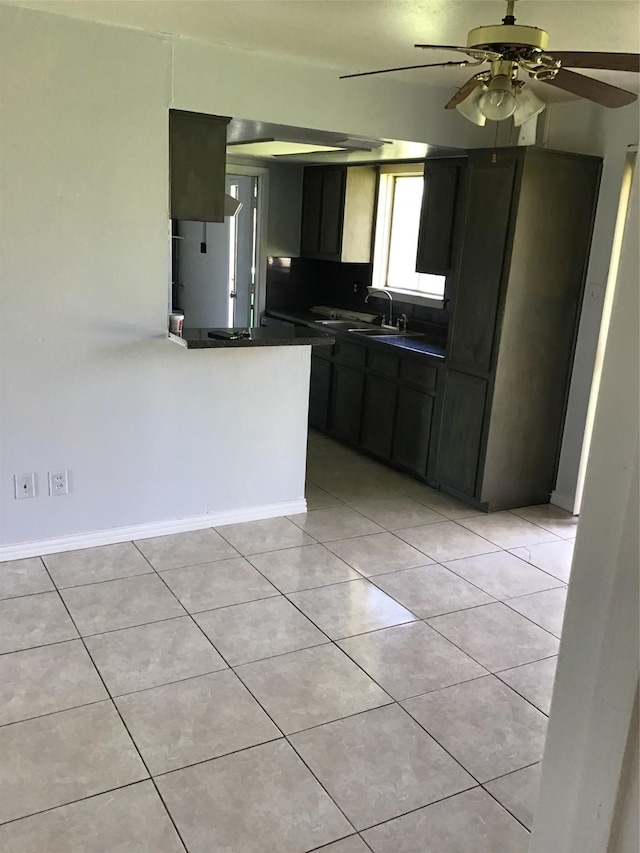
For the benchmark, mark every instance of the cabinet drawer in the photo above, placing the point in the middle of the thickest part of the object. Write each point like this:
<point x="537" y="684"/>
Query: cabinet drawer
<point x="418" y="373"/>
<point x="350" y="353"/>
<point x="383" y="363"/>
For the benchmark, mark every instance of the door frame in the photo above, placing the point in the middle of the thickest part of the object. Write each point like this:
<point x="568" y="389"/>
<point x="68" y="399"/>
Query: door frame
<point x="262" y="175"/>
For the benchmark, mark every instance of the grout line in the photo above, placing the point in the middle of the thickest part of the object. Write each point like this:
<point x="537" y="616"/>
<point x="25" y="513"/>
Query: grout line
<point x="41" y="646"/>
<point x="103" y="580"/>
<point x="511" y="772"/>
<point x="541" y="526"/>
<point x="270" y="717"/>
<point x="333" y="642"/>
<point x="337" y="841"/>
<point x="520" y="665"/>
<point x="55" y="711"/>
<point x="73" y="802"/>
<point x="529" y="619"/>
<point x="275" y="594"/>
<point x="115" y="696"/>
<point x="25" y="594"/>
<point x="493" y="796"/>
<point x="212" y="758"/>
<point x="130" y="627"/>
<point x="117" y="710"/>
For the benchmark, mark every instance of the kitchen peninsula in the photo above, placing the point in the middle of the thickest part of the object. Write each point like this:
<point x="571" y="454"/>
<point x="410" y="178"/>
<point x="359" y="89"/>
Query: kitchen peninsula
<point x="255" y="337"/>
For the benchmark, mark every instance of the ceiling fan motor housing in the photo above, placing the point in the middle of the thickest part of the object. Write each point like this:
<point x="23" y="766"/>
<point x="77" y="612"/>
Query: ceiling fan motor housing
<point x="500" y="37"/>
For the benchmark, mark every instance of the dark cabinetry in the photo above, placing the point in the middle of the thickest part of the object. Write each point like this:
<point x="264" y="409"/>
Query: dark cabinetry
<point x="526" y="217"/>
<point x="197" y="156"/>
<point x="378" y="416"/>
<point x="319" y="393"/>
<point x="338" y="213"/>
<point x="461" y="431"/>
<point x="346" y="403"/>
<point x="414" y="413"/>
<point x="442" y="181"/>
<point x="378" y="401"/>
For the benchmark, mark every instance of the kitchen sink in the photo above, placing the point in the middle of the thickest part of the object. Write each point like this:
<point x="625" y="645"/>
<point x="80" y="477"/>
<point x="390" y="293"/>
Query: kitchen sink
<point x="365" y="328"/>
<point x="348" y="325"/>
<point x="383" y="332"/>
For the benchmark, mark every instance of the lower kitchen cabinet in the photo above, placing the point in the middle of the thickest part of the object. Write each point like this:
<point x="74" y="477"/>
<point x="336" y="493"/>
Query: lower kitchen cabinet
<point x="460" y="442"/>
<point x="378" y="411"/>
<point x="346" y="403"/>
<point x="319" y="393"/>
<point x="379" y="401"/>
<point x="413" y="417"/>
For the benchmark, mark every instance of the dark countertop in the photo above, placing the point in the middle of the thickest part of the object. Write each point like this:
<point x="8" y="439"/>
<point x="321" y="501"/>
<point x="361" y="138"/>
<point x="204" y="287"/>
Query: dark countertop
<point x="269" y="336"/>
<point x="414" y="342"/>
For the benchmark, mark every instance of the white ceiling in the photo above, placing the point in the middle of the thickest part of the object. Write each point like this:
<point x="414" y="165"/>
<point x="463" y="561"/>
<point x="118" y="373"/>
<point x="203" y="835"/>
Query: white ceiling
<point x="363" y="35"/>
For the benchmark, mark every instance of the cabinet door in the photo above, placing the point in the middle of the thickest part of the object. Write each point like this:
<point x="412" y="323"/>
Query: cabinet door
<point x="459" y="447"/>
<point x="311" y="207"/>
<point x="332" y="214"/>
<point x="197" y="156"/>
<point x="319" y="393"/>
<point x="414" y="412"/>
<point x="378" y="412"/>
<point x="484" y="255"/>
<point x="438" y="216"/>
<point x="346" y="403"/>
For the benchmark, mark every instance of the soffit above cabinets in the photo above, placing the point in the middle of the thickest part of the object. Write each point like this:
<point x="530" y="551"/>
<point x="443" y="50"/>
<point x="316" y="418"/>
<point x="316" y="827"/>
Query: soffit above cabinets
<point x="278" y="142"/>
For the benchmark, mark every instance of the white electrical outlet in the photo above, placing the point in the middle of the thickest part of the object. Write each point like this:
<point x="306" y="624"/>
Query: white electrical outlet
<point x="25" y="486"/>
<point x="58" y="483"/>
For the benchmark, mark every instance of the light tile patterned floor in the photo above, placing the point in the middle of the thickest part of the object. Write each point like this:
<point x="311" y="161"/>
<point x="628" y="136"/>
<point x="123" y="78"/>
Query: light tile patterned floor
<point x="374" y="675"/>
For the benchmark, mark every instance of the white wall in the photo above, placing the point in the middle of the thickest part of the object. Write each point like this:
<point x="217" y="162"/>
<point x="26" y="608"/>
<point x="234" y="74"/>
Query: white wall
<point x="150" y="431"/>
<point x="588" y="129"/>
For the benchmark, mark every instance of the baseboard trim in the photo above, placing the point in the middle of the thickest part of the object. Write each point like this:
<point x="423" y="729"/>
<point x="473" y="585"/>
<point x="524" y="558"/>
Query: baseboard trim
<point x="21" y="550"/>
<point x="563" y="502"/>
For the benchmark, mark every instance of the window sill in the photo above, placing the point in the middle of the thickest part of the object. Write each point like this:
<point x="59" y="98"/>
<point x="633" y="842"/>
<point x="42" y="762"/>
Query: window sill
<point x="409" y="296"/>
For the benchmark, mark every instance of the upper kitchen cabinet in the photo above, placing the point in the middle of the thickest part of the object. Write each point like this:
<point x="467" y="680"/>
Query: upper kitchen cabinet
<point x="442" y="185"/>
<point x="526" y="221"/>
<point x="197" y="154"/>
<point x="338" y="208"/>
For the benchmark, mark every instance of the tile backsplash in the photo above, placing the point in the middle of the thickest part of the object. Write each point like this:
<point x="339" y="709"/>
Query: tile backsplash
<point x="298" y="283"/>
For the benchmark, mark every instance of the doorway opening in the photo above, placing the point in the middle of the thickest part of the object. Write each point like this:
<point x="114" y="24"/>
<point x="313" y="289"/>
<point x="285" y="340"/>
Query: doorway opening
<point x="216" y="263"/>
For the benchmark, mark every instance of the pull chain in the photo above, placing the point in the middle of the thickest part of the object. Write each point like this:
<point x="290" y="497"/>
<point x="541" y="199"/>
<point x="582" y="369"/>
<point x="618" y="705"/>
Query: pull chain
<point x="494" y="156"/>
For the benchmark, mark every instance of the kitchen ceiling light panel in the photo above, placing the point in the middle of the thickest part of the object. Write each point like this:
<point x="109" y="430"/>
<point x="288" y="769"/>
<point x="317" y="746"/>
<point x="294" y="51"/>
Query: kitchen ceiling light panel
<point x="278" y="148"/>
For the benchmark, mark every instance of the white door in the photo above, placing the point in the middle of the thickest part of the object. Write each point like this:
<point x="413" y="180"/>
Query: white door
<point x="217" y="264"/>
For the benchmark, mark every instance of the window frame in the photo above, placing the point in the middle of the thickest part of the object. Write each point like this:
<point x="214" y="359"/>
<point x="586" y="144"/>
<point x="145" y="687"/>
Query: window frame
<point x="382" y="238"/>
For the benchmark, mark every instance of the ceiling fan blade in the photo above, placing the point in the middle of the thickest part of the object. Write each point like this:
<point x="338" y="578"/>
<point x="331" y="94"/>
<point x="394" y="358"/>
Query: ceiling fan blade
<point x="592" y="90"/>
<point x="470" y="51"/>
<point x="460" y="64"/>
<point x="463" y="93"/>
<point x="592" y="59"/>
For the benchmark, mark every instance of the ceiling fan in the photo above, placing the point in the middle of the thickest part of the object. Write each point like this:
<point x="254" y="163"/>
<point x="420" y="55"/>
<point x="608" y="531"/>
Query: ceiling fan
<point x="497" y="93"/>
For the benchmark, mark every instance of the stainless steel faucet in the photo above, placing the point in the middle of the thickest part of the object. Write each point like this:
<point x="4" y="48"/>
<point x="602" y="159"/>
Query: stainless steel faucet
<point x="375" y="292"/>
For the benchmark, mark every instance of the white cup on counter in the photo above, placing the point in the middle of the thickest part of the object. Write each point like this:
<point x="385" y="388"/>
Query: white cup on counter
<point x="176" y="322"/>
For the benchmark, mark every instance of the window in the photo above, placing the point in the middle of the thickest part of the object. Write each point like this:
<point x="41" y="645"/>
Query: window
<point x="396" y="240"/>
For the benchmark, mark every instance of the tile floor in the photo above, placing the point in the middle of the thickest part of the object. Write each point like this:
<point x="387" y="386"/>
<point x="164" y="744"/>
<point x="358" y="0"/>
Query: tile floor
<point x="374" y="675"/>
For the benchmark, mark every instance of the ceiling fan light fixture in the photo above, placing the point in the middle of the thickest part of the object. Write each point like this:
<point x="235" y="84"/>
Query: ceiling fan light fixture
<point x="469" y="107"/>
<point x="498" y="102"/>
<point x="528" y="106"/>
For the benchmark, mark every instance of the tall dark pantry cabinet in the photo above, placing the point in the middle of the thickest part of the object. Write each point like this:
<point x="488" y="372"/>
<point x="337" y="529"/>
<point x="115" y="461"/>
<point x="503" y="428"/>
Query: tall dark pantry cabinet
<point x="525" y="218"/>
